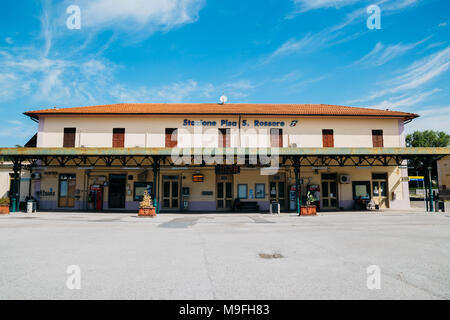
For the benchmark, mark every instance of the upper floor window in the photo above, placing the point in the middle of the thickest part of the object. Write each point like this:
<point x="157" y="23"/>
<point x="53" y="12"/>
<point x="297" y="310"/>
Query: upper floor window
<point x="224" y="138"/>
<point x="118" y="140"/>
<point x="171" y="138"/>
<point x="328" y="138"/>
<point x="69" y="137"/>
<point x="276" y="138"/>
<point x="377" y="138"/>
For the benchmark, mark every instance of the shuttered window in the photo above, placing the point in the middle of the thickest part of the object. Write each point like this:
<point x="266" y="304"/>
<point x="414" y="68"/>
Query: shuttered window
<point x="118" y="138"/>
<point x="377" y="138"/>
<point x="276" y="138"/>
<point x="69" y="137"/>
<point x="171" y="138"/>
<point x="224" y="138"/>
<point x="328" y="138"/>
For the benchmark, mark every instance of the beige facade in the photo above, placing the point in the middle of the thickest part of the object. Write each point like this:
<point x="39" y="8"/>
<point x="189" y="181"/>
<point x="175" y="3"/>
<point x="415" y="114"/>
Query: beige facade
<point x="386" y="185"/>
<point x="443" y="167"/>
<point x="149" y="131"/>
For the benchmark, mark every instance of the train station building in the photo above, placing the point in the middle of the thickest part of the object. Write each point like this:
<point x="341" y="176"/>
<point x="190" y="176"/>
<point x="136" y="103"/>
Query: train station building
<point x="207" y="157"/>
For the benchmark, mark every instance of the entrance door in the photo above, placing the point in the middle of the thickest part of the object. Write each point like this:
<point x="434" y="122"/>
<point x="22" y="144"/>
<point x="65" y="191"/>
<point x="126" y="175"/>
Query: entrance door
<point x="171" y="191"/>
<point x="116" y="195"/>
<point x="379" y="189"/>
<point x="278" y="191"/>
<point x="67" y="183"/>
<point x="329" y="191"/>
<point x="224" y="193"/>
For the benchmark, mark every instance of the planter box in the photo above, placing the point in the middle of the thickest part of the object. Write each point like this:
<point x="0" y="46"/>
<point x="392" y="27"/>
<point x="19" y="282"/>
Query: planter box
<point x="308" y="211"/>
<point x="4" y="209"/>
<point x="147" y="212"/>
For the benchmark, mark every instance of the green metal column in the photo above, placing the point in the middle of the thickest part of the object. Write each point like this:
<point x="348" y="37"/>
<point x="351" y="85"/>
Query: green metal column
<point x="15" y="186"/>
<point x="297" y="183"/>
<point x="155" y="179"/>
<point x="430" y="186"/>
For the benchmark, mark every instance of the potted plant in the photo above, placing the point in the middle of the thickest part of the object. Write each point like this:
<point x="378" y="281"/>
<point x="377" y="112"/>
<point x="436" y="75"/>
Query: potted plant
<point x="4" y="205"/>
<point x="310" y="209"/>
<point x="146" y="208"/>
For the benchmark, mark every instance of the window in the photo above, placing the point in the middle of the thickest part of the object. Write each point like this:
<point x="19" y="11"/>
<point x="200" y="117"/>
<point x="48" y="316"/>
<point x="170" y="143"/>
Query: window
<point x="377" y="138"/>
<point x="224" y="138"/>
<point x="361" y="190"/>
<point x="260" y="191"/>
<point x="327" y="138"/>
<point x="140" y="187"/>
<point x="171" y="138"/>
<point x="242" y="191"/>
<point x="69" y="137"/>
<point x="276" y="138"/>
<point x="118" y="138"/>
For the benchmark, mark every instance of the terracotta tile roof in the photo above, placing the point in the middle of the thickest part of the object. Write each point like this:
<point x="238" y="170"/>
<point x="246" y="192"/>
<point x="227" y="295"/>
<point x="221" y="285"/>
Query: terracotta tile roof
<point x="227" y="109"/>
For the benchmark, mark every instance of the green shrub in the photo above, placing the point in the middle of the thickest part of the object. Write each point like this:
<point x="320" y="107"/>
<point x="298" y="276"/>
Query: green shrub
<point x="4" y="201"/>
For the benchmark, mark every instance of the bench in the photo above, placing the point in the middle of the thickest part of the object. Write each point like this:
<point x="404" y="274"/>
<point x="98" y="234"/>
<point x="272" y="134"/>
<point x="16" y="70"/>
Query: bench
<point x="247" y="206"/>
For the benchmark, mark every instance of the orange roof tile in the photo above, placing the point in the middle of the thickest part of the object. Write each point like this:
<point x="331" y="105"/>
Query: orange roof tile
<point x="226" y="109"/>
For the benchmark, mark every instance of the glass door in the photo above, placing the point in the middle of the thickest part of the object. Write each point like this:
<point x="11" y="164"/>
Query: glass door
<point x="67" y="184"/>
<point x="224" y="193"/>
<point x="329" y="191"/>
<point x="278" y="192"/>
<point x="379" y="189"/>
<point x="171" y="192"/>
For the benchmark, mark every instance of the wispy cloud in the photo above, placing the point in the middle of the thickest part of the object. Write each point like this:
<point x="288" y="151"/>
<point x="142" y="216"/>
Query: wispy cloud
<point x="410" y="86"/>
<point x="183" y="91"/>
<point x="140" y="16"/>
<point x="418" y="74"/>
<point x="405" y="101"/>
<point x="382" y="54"/>
<point x="334" y="34"/>
<point x="431" y="118"/>
<point x="307" y="5"/>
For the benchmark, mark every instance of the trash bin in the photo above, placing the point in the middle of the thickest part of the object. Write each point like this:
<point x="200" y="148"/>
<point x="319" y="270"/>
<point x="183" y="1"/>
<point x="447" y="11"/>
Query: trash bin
<point x="275" y="207"/>
<point x="441" y="206"/>
<point x="31" y="206"/>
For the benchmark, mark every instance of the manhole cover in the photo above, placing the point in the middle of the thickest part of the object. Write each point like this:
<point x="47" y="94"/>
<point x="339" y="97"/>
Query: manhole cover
<point x="271" y="255"/>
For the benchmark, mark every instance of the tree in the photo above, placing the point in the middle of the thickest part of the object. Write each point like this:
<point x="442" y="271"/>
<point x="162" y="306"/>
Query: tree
<point x="428" y="138"/>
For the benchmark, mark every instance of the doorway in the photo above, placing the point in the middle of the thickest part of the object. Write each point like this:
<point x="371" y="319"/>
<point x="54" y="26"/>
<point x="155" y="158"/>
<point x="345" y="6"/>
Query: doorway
<point x="171" y="192"/>
<point x="67" y="186"/>
<point x="379" y="190"/>
<point x="329" y="191"/>
<point x="116" y="194"/>
<point x="224" y="193"/>
<point x="277" y="190"/>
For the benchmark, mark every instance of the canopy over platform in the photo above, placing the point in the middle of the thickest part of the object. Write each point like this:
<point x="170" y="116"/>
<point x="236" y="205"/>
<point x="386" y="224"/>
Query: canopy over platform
<point x="242" y="156"/>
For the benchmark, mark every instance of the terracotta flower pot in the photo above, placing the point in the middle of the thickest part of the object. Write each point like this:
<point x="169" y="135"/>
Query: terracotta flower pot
<point x="308" y="211"/>
<point x="4" y="209"/>
<point x="147" y="212"/>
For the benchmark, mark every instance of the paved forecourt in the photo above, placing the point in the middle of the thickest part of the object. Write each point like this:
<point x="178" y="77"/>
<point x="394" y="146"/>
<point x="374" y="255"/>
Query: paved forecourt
<point x="225" y="256"/>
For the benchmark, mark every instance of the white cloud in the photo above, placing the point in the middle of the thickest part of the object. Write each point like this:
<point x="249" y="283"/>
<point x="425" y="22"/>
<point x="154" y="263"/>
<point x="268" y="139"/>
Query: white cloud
<point x="135" y="15"/>
<point x="405" y="101"/>
<point x="182" y="91"/>
<point x="382" y="54"/>
<point x="421" y="72"/>
<point x="431" y="118"/>
<point x="307" y="5"/>
<point x="9" y="40"/>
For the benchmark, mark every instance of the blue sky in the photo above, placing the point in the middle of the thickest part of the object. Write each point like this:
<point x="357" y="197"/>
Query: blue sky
<point x="271" y="51"/>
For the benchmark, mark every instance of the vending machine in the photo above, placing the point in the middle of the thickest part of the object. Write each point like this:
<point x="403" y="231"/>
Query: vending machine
<point x="95" y="198"/>
<point x="292" y="197"/>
